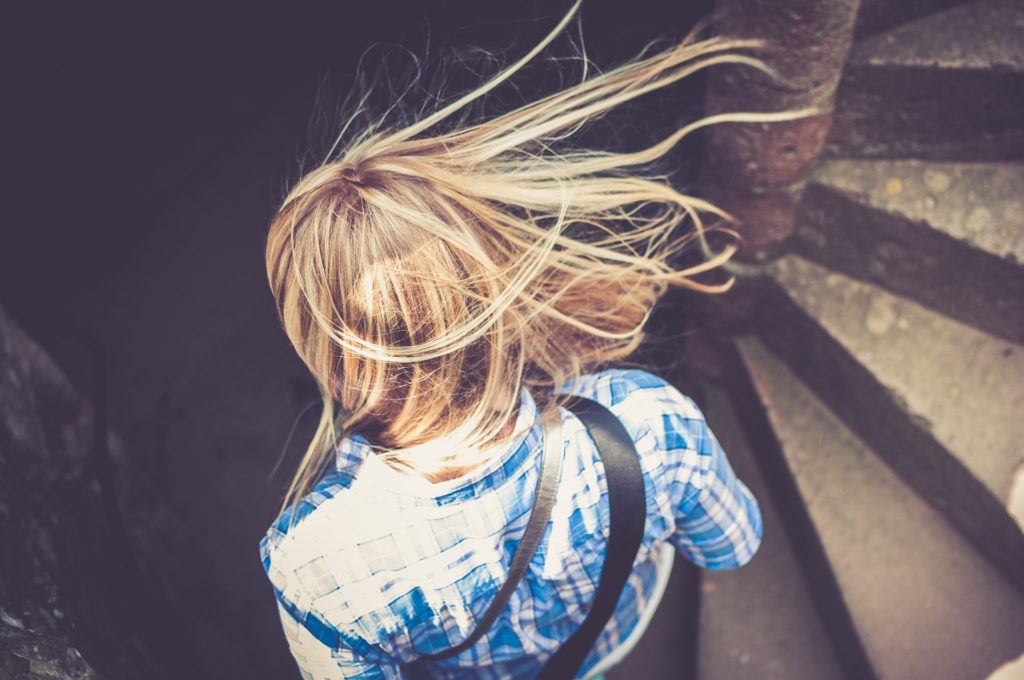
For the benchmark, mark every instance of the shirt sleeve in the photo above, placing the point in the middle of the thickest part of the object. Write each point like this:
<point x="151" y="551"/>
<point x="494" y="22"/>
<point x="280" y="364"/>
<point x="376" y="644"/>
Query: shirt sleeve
<point x="318" y="661"/>
<point x="718" y="521"/>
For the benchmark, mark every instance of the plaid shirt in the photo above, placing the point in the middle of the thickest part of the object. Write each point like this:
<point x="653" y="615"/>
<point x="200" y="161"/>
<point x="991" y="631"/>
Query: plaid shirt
<point x="382" y="567"/>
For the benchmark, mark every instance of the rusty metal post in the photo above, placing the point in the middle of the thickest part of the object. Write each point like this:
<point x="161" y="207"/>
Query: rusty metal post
<point x="756" y="171"/>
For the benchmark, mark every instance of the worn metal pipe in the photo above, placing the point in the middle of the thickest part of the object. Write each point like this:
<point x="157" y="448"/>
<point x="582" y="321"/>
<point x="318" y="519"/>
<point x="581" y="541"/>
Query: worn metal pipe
<point x="756" y="171"/>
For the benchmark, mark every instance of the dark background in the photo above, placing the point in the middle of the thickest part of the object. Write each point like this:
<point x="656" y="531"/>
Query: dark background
<point x="144" y="149"/>
<point x="112" y="110"/>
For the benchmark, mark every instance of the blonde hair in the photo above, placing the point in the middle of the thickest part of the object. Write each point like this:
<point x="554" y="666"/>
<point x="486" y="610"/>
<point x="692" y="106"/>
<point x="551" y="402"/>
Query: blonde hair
<point x="425" y="279"/>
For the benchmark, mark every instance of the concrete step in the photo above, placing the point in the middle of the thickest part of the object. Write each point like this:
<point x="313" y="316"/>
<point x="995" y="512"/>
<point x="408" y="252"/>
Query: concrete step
<point x="875" y="16"/>
<point x="949" y="85"/>
<point x="923" y="603"/>
<point x="938" y="400"/>
<point x="760" y="620"/>
<point x="916" y="226"/>
<point x="668" y="647"/>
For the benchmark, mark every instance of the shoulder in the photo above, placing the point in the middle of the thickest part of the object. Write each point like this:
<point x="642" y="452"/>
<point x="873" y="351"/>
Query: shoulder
<point x="669" y="430"/>
<point x="639" y="398"/>
<point x="668" y="427"/>
<point x="311" y="556"/>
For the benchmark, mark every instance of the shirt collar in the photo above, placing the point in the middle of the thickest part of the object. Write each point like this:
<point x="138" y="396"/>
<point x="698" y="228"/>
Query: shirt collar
<point x="354" y="458"/>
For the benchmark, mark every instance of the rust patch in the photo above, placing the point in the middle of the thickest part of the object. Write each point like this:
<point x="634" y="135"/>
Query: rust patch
<point x="757" y="171"/>
<point x="765" y="157"/>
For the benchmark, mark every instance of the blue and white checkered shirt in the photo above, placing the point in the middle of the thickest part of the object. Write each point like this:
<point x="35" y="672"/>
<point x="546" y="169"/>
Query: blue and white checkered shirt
<point x="381" y="567"/>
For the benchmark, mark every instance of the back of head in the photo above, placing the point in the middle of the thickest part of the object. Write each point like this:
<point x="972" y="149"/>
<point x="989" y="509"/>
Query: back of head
<point x="426" y="277"/>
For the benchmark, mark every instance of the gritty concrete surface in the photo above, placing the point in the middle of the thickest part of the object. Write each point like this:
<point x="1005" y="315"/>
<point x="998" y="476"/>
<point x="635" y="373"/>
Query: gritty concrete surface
<point x="875" y="16"/>
<point x="949" y="85"/>
<point x="976" y="35"/>
<point x="665" y="652"/>
<point x="980" y="204"/>
<point x="925" y="603"/>
<point x="963" y="386"/>
<point x="758" y="621"/>
<point x="949" y="235"/>
<point x="1015" y="503"/>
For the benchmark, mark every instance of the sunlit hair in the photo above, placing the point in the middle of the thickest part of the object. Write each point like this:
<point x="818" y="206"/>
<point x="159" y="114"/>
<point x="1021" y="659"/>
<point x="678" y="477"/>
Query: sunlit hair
<point x="426" y="276"/>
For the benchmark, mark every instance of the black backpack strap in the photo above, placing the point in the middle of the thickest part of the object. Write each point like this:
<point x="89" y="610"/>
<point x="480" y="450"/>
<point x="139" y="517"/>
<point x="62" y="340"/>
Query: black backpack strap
<point x="628" y="511"/>
<point x="544" y="499"/>
<point x="626" y="532"/>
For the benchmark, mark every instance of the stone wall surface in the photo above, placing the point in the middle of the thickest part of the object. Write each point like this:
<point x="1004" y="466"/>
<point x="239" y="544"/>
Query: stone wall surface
<point x="68" y="582"/>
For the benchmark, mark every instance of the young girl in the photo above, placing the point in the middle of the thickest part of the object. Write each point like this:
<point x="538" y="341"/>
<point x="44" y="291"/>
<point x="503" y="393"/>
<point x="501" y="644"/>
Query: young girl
<point x="450" y="287"/>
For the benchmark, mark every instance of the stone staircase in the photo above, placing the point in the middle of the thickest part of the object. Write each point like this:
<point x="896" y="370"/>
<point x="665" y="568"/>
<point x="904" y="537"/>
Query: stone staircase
<point x="875" y="384"/>
<point x="903" y="594"/>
